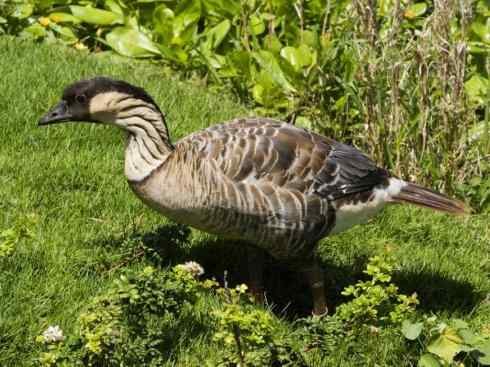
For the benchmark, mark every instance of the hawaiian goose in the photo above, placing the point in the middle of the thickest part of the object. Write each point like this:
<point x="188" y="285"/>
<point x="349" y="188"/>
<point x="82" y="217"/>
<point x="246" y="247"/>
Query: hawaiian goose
<point x="264" y="181"/>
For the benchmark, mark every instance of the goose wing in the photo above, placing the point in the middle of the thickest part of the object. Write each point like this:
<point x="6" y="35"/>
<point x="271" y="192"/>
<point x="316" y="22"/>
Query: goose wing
<point x="270" y="151"/>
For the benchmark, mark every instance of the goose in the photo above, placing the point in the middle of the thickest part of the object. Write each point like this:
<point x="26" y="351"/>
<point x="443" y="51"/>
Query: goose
<point x="268" y="183"/>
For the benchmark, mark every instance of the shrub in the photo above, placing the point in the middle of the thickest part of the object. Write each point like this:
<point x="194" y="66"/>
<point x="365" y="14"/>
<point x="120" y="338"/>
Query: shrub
<point x="143" y="315"/>
<point x="375" y="312"/>
<point x="252" y="336"/>
<point x="376" y="301"/>
<point x="132" y="323"/>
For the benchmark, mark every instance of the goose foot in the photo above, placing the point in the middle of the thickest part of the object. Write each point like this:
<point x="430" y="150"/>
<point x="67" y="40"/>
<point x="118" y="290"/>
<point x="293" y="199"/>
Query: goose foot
<point x="255" y="259"/>
<point x="316" y="282"/>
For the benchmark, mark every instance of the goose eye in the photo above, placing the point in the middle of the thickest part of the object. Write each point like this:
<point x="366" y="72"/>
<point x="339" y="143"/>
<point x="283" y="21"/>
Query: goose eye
<point x="81" y="98"/>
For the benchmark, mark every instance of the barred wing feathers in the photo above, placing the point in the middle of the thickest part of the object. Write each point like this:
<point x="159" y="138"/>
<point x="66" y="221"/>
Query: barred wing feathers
<point x="266" y="150"/>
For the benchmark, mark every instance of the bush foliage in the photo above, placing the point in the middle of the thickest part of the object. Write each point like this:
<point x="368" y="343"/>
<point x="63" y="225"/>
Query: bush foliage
<point x="407" y="82"/>
<point x="133" y="323"/>
<point x="141" y="317"/>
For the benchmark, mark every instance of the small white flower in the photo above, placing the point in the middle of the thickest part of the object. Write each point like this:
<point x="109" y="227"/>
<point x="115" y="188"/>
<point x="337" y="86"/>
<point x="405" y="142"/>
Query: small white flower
<point x="193" y="267"/>
<point x="53" y="334"/>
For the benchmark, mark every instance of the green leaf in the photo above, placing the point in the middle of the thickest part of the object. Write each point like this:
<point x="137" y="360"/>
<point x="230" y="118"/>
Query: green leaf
<point x="240" y="61"/>
<point x="36" y="31"/>
<point x="482" y="31"/>
<point x="175" y="54"/>
<point x="91" y="15"/>
<point x="224" y="7"/>
<point x="484" y="348"/>
<point x="483" y="8"/>
<point x="305" y="122"/>
<point x="131" y="42"/>
<point x="468" y="336"/>
<point x="272" y="42"/>
<point x="415" y="10"/>
<point x="478" y="48"/>
<point x="297" y="57"/>
<point x="268" y="62"/>
<point x="114" y="7"/>
<point x="339" y="105"/>
<point x="291" y="55"/>
<point x="22" y="11"/>
<point x="410" y="330"/>
<point x="309" y="38"/>
<point x="477" y="88"/>
<point x="476" y="133"/>
<point x="188" y="13"/>
<point x="63" y="18"/>
<point x="217" y="34"/>
<point x="484" y="360"/>
<point x="256" y="25"/>
<point x="215" y="61"/>
<point x="269" y="94"/>
<point x="258" y="93"/>
<point x="66" y="33"/>
<point x="163" y="18"/>
<point x="428" y="360"/>
<point x="459" y="324"/>
<point x="447" y="345"/>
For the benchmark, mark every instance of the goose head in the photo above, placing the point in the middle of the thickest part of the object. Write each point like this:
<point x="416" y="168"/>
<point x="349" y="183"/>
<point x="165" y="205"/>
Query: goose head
<point x="99" y="100"/>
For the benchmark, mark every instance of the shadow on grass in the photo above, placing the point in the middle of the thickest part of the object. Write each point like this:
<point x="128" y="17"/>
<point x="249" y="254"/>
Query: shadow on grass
<point x="436" y="292"/>
<point x="286" y="290"/>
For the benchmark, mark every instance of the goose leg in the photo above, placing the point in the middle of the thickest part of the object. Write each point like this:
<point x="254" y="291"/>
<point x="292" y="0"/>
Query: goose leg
<point x="316" y="282"/>
<point x="255" y="259"/>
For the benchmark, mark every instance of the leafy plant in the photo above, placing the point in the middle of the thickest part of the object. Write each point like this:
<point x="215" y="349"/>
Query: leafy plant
<point x="375" y="311"/>
<point x="250" y="335"/>
<point x="376" y="301"/>
<point x="10" y="237"/>
<point x="447" y="344"/>
<point x="132" y="323"/>
<point x="254" y="338"/>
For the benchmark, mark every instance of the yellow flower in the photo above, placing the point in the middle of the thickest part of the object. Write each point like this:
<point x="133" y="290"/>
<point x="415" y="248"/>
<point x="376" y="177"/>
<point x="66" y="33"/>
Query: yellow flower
<point x="44" y="21"/>
<point x="410" y="14"/>
<point x="80" y="46"/>
<point x="242" y="288"/>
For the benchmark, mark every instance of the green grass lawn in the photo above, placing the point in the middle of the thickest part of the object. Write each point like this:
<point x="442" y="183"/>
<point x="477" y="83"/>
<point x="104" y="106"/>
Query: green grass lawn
<point x="88" y="221"/>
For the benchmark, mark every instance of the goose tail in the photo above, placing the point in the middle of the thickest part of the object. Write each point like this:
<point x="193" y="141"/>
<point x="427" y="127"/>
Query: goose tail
<point x="412" y="193"/>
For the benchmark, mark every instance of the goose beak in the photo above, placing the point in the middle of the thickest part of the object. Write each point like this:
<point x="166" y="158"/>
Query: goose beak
<point x="58" y="113"/>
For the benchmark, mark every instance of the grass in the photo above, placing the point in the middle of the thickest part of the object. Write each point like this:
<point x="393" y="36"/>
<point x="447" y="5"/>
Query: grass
<point x="70" y="177"/>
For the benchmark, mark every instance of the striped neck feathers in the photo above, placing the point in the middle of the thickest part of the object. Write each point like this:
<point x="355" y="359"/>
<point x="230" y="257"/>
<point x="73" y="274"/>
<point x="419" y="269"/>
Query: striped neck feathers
<point x="148" y="143"/>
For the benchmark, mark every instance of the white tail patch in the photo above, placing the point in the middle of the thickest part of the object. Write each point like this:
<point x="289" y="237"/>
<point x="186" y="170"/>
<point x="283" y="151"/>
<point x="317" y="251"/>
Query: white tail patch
<point x="348" y="215"/>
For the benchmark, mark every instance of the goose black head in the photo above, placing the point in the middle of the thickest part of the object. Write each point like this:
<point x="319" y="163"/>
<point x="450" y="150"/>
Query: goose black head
<point x="94" y="100"/>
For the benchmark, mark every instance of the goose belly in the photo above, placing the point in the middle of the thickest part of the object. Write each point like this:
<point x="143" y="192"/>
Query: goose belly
<point x="269" y="218"/>
<point x="283" y="237"/>
<point x="280" y="221"/>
